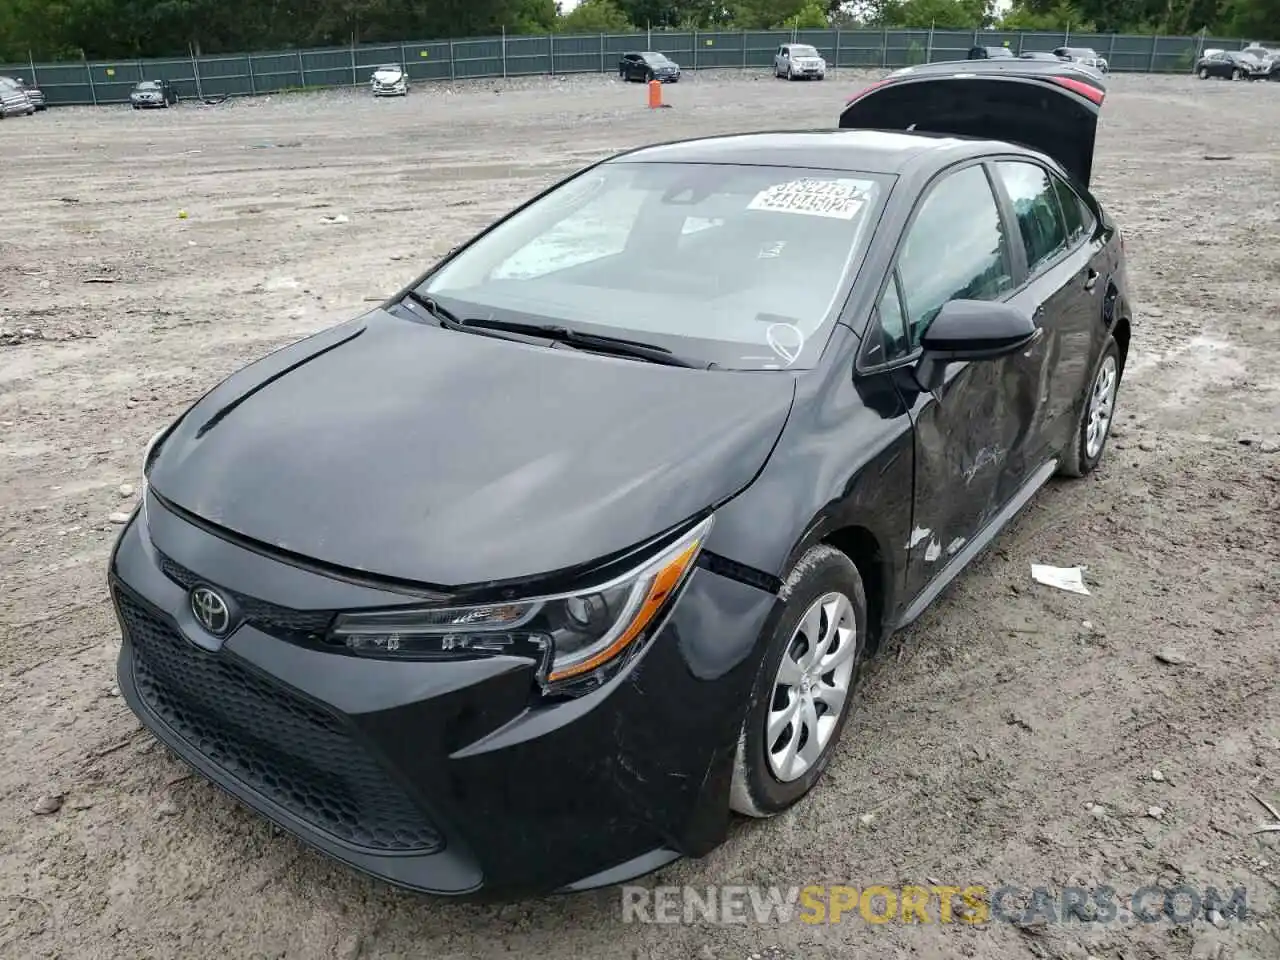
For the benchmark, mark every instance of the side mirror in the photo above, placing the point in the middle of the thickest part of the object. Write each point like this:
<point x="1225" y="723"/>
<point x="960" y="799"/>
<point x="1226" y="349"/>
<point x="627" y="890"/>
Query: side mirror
<point x="971" y="330"/>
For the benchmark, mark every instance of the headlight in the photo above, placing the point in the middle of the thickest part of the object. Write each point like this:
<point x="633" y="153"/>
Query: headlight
<point x="580" y="639"/>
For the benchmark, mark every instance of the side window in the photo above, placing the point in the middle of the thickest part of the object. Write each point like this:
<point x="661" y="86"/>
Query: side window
<point x="955" y="249"/>
<point x="1076" y="214"/>
<point x="1035" y="204"/>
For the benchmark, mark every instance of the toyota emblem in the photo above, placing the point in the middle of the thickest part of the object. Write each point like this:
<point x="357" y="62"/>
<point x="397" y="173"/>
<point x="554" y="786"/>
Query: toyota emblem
<point x="210" y="610"/>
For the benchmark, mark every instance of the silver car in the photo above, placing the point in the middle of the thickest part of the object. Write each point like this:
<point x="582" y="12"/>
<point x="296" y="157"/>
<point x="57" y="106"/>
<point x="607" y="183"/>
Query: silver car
<point x="34" y="94"/>
<point x="390" y="80"/>
<point x="1086" y="56"/>
<point x="14" y="101"/>
<point x="799" y="61"/>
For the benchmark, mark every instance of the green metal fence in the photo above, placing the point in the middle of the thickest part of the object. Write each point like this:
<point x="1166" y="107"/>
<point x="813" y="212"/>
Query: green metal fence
<point x="107" y="82"/>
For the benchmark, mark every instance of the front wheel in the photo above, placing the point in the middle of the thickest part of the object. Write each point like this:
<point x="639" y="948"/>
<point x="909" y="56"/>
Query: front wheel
<point x="1237" y="74"/>
<point x="1204" y="73"/>
<point x="1096" y="416"/>
<point x="803" y="691"/>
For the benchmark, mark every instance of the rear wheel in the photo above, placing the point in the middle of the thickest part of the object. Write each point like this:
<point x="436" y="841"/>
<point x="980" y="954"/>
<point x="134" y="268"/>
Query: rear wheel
<point x="803" y="691"/>
<point x="1096" y="416"/>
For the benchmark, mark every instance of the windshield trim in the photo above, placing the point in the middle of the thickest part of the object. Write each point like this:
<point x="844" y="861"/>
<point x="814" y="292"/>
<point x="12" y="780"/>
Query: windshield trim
<point x="682" y="345"/>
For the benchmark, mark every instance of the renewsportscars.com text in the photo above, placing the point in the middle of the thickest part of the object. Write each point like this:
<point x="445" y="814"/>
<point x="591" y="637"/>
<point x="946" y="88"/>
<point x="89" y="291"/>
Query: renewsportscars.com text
<point x="973" y="904"/>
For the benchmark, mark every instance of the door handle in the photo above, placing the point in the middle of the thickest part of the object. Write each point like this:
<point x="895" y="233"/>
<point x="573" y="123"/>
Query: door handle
<point x="1090" y="278"/>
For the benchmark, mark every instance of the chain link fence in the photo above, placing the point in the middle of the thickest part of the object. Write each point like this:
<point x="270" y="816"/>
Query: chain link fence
<point x="108" y="82"/>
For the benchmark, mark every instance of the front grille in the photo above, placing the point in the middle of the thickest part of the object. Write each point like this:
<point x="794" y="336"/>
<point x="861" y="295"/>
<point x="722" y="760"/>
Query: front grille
<point x="282" y="622"/>
<point x="282" y="746"/>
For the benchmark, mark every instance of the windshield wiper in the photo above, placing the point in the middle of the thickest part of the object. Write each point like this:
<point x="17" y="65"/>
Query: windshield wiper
<point x="560" y="334"/>
<point x="602" y="343"/>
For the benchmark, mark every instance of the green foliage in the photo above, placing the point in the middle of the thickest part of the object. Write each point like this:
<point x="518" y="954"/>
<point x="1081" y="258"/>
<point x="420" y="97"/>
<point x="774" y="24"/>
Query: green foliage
<point x="595" y="16"/>
<point x="104" y="29"/>
<point x="923" y="14"/>
<point x="1062" y="16"/>
<point x="768" y="14"/>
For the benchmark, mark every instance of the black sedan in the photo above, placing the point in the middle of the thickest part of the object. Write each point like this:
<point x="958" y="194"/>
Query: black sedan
<point x="526" y="579"/>
<point x="1232" y="65"/>
<point x="648" y="67"/>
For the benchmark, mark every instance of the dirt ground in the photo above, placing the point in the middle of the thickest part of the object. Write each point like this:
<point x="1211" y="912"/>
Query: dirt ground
<point x="1008" y="737"/>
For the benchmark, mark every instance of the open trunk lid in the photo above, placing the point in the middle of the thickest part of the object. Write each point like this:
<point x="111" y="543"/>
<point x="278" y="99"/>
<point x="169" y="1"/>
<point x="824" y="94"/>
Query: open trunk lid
<point x="1047" y="106"/>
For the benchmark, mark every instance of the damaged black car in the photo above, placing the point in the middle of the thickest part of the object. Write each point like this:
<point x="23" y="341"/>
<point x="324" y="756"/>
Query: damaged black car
<point x="530" y="578"/>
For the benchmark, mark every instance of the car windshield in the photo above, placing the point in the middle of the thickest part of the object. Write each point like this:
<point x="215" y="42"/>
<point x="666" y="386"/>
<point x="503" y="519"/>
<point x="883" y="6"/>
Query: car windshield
<point x="1251" y="57"/>
<point x="657" y="58"/>
<point x="148" y="85"/>
<point x="741" y="266"/>
<point x="1081" y="52"/>
<point x="802" y="51"/>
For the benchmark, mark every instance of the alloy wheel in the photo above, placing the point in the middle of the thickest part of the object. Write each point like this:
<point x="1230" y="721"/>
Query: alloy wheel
<point x="1101" y="404"/>
<point x="811" y="688"/>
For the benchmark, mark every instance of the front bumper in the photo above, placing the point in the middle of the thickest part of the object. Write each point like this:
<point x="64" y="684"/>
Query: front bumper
<point x="395" y="91"/>
<point x="448" y="777"/>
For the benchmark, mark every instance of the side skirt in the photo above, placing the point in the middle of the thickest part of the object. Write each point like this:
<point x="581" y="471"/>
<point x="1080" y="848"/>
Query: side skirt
<point x="979" y="543"/>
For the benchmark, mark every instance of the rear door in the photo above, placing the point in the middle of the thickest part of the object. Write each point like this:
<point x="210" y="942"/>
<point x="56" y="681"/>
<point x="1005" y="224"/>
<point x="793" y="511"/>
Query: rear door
<point x="1062" y="291"/>
<point x="1049" y="106"/>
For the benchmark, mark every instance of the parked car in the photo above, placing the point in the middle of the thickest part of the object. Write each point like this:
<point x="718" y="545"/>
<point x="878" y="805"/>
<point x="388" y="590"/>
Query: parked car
<point x="34" y="94"/>
<point x="989" y="53"/>
<point x="1269" y="58"/>
<point x="1231" y="65"/>
<point x="14" y="101"/>
<point x="390" y="80"/>
<point x="617" y="582"/>
<point x="799" y="61"/>
<point x="1084" y="55"/>
<point x="152" y="93"/>
<point x="648" y="66"/>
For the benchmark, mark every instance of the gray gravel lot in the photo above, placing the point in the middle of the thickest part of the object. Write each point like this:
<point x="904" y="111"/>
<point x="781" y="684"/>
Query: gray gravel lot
<point x="1008" y="737"/>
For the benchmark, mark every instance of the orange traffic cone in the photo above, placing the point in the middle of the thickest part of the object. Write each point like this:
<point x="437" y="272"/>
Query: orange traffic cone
<point x="655" y="95"/>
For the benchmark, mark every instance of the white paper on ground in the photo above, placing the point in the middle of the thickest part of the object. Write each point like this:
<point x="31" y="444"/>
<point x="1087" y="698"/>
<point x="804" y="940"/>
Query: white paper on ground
<point x="1070" y="579"/>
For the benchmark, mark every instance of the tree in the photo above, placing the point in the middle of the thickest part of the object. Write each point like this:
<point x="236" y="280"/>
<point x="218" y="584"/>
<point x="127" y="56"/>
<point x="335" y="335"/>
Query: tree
<point x="1253" y="19"/>
<point x="595" y="16"/>
<point x="922" y="14"/>
<point x="768" y="14"/>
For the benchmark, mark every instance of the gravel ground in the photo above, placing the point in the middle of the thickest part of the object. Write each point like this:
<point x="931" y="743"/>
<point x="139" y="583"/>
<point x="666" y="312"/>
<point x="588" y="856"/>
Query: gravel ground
<point x="1009" y="737"/>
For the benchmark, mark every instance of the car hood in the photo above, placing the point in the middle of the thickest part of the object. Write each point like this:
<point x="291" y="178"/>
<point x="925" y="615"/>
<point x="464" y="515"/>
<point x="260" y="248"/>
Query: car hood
<point x="389" y="447"/>
<point x="388" y="76"/>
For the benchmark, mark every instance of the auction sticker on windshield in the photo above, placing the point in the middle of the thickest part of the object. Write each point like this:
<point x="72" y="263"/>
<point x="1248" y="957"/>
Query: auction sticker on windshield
<point x="838" y="199"/>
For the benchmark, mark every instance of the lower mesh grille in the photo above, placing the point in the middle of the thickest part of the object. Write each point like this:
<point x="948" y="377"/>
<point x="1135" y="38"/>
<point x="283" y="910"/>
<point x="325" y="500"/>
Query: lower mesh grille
<point x="284" y="747"/>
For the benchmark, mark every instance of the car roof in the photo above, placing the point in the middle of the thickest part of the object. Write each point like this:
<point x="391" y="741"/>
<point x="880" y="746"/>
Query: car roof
<point x="862" y="151"/>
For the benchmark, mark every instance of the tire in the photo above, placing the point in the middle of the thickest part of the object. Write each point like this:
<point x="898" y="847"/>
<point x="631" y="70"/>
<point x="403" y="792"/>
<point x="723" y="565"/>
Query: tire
<point x="757" y="789"/>
<point x="1204" y="73"/>
<point x="1237" y="74"/>
<point x="1082" y="458"/>
<point x="791" y="76"/>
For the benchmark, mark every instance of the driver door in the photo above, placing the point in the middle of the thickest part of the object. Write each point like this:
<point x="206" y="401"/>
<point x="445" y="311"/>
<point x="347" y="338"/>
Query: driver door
<point x="956" y="247"/>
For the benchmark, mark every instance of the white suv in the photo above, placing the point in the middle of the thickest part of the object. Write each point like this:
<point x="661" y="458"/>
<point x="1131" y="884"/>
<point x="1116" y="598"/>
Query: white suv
<point x="799" y="61"/>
